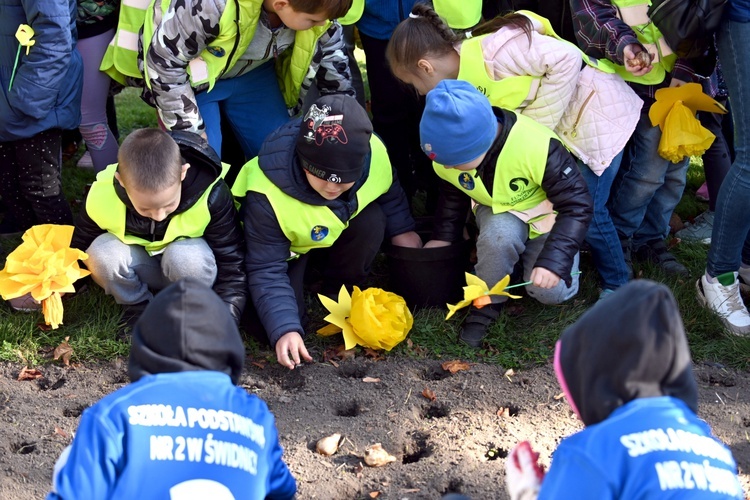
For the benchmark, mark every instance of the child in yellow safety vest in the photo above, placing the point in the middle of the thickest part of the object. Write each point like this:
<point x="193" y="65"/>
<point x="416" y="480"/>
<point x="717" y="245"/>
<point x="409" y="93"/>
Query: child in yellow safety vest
<point x="162" y="213"/>
<point x="250" y="61"/>
<point x="531" y="202"/>
<point x="519" y="63"/>
<point x="322" y="189"/>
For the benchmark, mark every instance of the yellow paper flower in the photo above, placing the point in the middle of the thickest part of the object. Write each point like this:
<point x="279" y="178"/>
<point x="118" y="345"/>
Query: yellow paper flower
<point x="371" y="318"/>
<point x="683" y="135"/>
<point x="479" y="294"/>
<point x="24" y="35"/>
<point x="44" y="266"/>
<point x="674" y="112"/>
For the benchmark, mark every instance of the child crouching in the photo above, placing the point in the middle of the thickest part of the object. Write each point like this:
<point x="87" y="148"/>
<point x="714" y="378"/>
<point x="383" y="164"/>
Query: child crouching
<point x="162" y="213"/>
<point x="531" y="202"/>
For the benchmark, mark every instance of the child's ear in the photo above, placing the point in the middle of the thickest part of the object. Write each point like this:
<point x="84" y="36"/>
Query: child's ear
<point x="279" y="4"/>
<point x="119" y="179"/>
<point x="185" y="167"/>
<point x="425" y="66"/>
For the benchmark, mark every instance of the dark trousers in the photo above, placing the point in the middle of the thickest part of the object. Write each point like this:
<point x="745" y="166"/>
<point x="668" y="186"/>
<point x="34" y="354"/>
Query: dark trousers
<point x="717" y="160"/>
<point x="346" y="262"/>
<point x="30" y="180"/>
<point x="396" y="112"/>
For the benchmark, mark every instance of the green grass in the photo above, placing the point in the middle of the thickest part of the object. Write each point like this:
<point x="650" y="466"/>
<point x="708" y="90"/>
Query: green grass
<point x="523" y="336"/>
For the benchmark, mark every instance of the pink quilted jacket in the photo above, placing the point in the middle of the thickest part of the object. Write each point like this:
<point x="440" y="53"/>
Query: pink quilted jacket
<point x="594" y="113"/>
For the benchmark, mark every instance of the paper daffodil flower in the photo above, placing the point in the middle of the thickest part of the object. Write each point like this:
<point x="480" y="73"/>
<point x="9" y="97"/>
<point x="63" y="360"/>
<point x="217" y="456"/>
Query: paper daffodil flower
<point x="24" y="35"/>
<point x="371" y="318"/>
<point x="43" y="266"/>
<point x="477" y="292"/>
<point x="674" y="113"/>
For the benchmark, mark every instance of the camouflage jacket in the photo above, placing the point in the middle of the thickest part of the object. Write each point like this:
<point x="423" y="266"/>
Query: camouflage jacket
<point x="178" y="39"/>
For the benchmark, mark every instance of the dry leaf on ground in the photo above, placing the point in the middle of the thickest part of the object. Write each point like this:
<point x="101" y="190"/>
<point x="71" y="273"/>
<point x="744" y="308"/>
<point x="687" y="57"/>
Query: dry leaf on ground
<point x="63" y="351"/>
<point x="374" y="494"/>
<point x="371" y="380"/>
<point x="373" y="354"/>
<point x="61" y="432"/>
<point x="429" y="394"/>
<point x="455" y="366"/>
<point x="29" y="374"/>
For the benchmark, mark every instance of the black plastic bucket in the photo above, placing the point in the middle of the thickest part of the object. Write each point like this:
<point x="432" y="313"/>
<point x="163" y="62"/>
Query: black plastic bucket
<point x="428" y="277"/>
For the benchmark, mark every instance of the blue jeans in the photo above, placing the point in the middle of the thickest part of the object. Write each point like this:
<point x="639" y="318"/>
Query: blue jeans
<point x="253" y="105"/>
<point x="602" y="236"/>
<point x="730" y="240"/>
<point x="647" y="188"/>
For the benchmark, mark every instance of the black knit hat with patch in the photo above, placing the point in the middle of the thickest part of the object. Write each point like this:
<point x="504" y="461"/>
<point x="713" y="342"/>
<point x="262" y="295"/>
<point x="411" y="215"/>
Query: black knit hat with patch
<point x="334" y="139"/>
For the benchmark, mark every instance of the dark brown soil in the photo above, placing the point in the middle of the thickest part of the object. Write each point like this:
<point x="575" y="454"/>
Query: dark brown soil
<point x="456" y="443"/>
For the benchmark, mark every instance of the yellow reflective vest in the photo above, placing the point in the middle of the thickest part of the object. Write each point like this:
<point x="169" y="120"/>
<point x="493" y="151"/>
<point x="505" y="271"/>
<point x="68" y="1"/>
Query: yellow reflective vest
<point x="512" y="92"/>
<point x="517" y="185"/>
<point x="458" y="14"/>
<point x="314" y="226"/>
<point x="236" y="29"/>
<point x="107" y="210"/>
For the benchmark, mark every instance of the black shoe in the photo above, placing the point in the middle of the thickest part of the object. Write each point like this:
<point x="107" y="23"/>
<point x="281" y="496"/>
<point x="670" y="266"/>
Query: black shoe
<point x="474" y="329"/>
<point x="655" y="252"/>
<point x="627" y="253"/>
<point x="130" y="315"/>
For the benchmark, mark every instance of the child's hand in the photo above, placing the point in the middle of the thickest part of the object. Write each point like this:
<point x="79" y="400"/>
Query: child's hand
<point x="436" y="244"/>
<point x="291" y="343"/>
<point x="637" y="60"/>
<point x="544" y="278"/>
<point x="409" y="239"/>
<point x="523" y="474"/>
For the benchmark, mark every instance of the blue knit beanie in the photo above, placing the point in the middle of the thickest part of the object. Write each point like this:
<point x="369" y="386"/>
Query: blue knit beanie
<point x="458" y="124"/>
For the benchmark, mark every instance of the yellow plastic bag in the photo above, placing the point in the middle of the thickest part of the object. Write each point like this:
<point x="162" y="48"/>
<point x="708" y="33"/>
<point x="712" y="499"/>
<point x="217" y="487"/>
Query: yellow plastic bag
<point x="683" y="135"/>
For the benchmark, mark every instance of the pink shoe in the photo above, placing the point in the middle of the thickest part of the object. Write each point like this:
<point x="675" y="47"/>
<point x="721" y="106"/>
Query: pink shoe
<point x="702" y="193"/>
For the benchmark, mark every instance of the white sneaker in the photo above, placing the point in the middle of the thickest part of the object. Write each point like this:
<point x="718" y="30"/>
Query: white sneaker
<point x="726" y="302"/>
<point x="85" y="161"/>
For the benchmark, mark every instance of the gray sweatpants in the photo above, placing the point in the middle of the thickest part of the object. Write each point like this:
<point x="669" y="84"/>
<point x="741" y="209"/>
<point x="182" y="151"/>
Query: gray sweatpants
<point x="130" y="274"/>
<point x="503" y="240"/>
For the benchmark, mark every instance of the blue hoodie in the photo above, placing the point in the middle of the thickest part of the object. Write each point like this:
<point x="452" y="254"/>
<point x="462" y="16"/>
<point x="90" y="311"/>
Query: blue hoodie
<point x="182" y="429"/>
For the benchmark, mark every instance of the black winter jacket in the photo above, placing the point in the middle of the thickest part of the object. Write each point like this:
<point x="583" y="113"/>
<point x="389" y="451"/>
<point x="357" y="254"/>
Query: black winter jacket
<point x="563" y="184"/>
<point x="223" y="233"/>
<point x="268" y="248"/>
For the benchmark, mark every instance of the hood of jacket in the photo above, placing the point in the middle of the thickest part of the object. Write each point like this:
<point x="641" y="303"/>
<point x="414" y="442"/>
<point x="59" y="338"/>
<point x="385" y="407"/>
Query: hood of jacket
<point x="278" y="161"/>
<point x="187" y="327"/>
<point x="630" y="345"/>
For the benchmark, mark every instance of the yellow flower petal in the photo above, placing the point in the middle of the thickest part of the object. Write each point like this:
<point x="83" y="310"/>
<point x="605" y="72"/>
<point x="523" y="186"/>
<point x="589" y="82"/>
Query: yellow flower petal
<point x="52" y="309"/>
<point x="24" y="36"/>
<point x="329" y="330"/>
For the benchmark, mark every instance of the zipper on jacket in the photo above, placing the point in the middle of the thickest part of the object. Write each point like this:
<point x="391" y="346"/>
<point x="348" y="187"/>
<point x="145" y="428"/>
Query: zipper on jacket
<point x="236" y="39"/>
<point x="573" y="132"/>
<point x="272" y="47"/>
<point x="152" y="230"/>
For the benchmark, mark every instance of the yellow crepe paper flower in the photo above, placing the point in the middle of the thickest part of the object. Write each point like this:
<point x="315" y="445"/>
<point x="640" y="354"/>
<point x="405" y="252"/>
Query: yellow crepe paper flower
<point x="479" y="294"/>
<point x="674" y="112"/>
<point x="43" y="266"/>
<point x="371" y="318"/>
<point x="24" y="35"/>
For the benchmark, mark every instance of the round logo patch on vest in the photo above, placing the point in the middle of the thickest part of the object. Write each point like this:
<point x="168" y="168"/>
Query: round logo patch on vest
<point x="216" y="51"/>
<point x="318" y="233"/>
<point x="466" y="181"/>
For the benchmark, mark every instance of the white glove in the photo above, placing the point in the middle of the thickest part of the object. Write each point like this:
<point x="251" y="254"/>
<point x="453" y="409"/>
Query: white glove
<point x="523" y="474"/>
